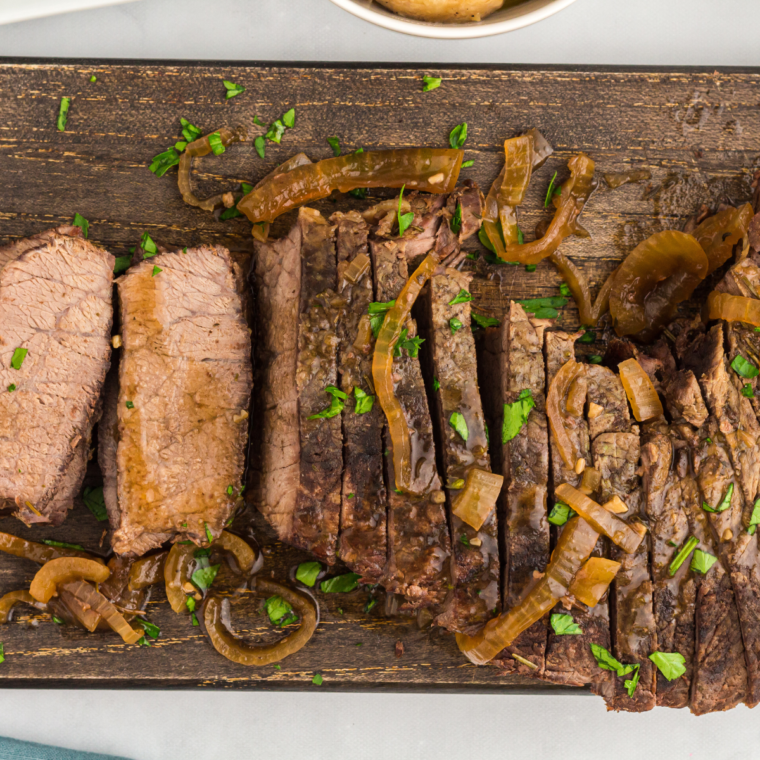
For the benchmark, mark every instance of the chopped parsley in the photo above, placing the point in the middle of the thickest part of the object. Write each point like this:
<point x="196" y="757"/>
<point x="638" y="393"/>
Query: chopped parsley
<point x="552" y="190"/>
<point x="482" y="321"/>
<point x="11" y="387"/>
<point x="744" y="368"/>
<point x="404" y="220"/>
<point x="701" y="562"/>
<point x="257" y="121"/>
<point x="456" y="221"/>
<point x="149" y="248"/>
<point x="156" y="270"/>
<point x="754" y="520"/>
<point x="94" y="501"/>
<point x="747" y="391"/>
<point x="209" y="534"/>
<point x="130" y="405"/>
<point x="216" y="144"/>
<point x="334" y="143"/>
<point x="671" y="664"/>
<point x="725" y="502"/>
<point x="2" y="653"/>
<point x="458" y="136"/>
<point x="371" y="602"/>
<point x="436" y="384"/>
<point x="564" y="625"/>
<point x="190" y="604"/>
<point x="606" y="661"/>
<point x="233" y="89"/>
<point x="260" y="144"/>
<point x="57" y="620"/>
<point x="164" y="161"/>
<point x="535" y="305"/>
<point x="430" y="83"/>
<point x="564" y="290"/>
<point x="594" y="359"/>
<point x="122" y="264"/>
<point x="204" y="576"/>
<point x="307" y="573"/>
<point x="560" y="514"/>
<point x="467" y="164"/>
<point x="93" y="79"/>
<point x="464" y="540"/>
<point x="18" y="357"/>
<point x="458" y="422"/>
<point x="336" y="404"/>
<point x="364" y="402"/>
<point x="82" y="223"/>
<point x="63" y="544"/>
<point x="63" y="114"/>
<point x="279" y="611"/>
<point x="588" y="337"/>
<point x="410" y="345"/>
<point x="516" y="415"/>
<point x="229" y="213"/>
<point x="455" y="325"/>
<point x="289" y="118"/>
<point x="340" y="584"/>
<point x="317" y="680"/>
<point x="532" y="268"/>
<point x="462" y="297"/>
<point x="151" y="629"/>
<point x="631" y="683"/>
<point x="189" y="131"/>
<point x="682" y="555"/>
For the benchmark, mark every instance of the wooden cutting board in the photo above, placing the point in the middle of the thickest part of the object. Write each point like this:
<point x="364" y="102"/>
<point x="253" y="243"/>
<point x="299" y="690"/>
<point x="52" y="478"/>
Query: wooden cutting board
<point x="697" y="132"/>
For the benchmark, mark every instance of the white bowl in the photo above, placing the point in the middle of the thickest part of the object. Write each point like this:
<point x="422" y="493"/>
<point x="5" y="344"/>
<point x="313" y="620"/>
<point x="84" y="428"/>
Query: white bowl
<point x="505" y="20"/>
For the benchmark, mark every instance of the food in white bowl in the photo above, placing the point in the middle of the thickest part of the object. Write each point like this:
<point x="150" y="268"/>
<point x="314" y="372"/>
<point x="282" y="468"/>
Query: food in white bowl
<point x="445" y="11"/>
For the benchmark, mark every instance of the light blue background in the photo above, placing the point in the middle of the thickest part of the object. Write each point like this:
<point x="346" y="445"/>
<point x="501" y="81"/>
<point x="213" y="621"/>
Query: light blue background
<point x="315" y="725"/>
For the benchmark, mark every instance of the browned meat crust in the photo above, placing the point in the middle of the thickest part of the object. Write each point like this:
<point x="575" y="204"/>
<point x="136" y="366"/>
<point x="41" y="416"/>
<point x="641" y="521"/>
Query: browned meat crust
<point x="362" y="542"/>
<point x="55" y="302"/>
<point x="474" y="597"/>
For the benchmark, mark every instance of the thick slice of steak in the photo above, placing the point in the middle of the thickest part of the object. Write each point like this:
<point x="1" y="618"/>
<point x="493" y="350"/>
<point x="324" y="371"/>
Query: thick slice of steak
<point x="418" y="535"/>
<point x="670" y="492"/>
<point x="362" y="543"/>
<point x="616" y="457"/>
<point x="525" y="466"/>
<point x="276" y="452"/>
<point x="184" y="393"/>
<point x="569" y="659"/>
<point x="56" y="305"/>
<point x="474" y="597"/>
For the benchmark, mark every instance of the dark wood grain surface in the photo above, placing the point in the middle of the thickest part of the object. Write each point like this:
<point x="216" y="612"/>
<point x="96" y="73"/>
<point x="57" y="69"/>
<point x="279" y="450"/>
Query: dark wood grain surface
<point x="698" y="132"/>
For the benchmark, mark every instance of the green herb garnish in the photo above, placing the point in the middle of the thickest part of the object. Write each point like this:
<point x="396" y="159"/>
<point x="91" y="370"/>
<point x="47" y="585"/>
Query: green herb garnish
<point x="462" y="297"/>
<point x="436" y="385"/>
<point x="93" y="79"/>
<point x="404" y="220"/>
<point x="279" y="611"/>
<point x="564" y="625"/>
<point x="94" y="501"/>
<point x="594" y="359"/>
<point x="456" y="221"/>
<point x="130" y="405"/>
<point x="63" y="544"/>
<point x="164" y="161"/>
<point x="203" y="577"/>
<point x="340" y="584"/>
<point x="150" y="628"/>
<point x="334" y="143"/>
<point x="149" y="248"/>
<point x="747" y="391"/>
<point x="216" y="144"/>
<point x="682" y="555"/>
<point x="209" y="534"/>
<point x="744" y="368"/>
<point x="260" y="144"/>
<point x="276" y="131"/>
<point x="229" y="213"/>
<point x="82" y="223"/>
<point x="560" y="514"/>
<point x="467" y="164"/>
<point x="307" y="573"/>
<point x="370" y="604"/>
<point x="725" y="502"/>
<point x="430" y="83"/>
<point x="410" y="345"/>
<point x="482" y="321"/>
<point x="516" y="415"/>
<point x="190" y="603"/>
<point x="289" y="118"/>
<point x="58" y="620"/>
<point x="458" y="422"/>
<point x="18" y="357"/>
<point x="189" y="131"/>
<point x="156" y="270"/>
<point x="63" y="114"/>
<point x="11" y="387"/>
<point x="754" y="520"/>
<point x="455" y="325"/>
<point x="631" y="683"/>
<point x="122" y="264"/>
<point x="533" y="305"/>
<point x="550" y="191"/>
<point x="464" y="540"/>
<point x="364" y="402"/>
<point x="564" y="290"/>
<point x="336" y="404"/>
<point x="588" y="337"/>
<point x="317" y="680"/>
<point x="606" y="661"/>
<point x="701" y="562"/>
<point x="233" y="90"/>
<point x="671" y="664"/>
<point x="458" y="136"/>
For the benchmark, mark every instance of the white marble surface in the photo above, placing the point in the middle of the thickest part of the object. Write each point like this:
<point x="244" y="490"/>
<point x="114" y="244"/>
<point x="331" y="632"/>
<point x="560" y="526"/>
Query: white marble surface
<point x="317" y="724"/>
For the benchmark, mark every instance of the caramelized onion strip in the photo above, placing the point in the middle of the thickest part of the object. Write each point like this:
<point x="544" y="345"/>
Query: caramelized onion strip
<point x="627" y="537"/>
<point x="40" y="553"/>
<point x="574" y="546"/>
<point x="147" y="571"/>
<point x="555" y="402"/>
<point x="63" y="570"/>
<point x="14" y="597"/>
<point x="244" y="555"/>
<point x="96" y="602"/>
<point x="233" y="648"/>
<point x="593" y="579"/>
<point x="644" y="399"/>
<point x="589" y="311"/>
<point x="177" y="573"/>
<point x="478" y="497"/>
<point x="733" y="308"/>
<point x="518" y="168"/>
<point x="718" y="234"/>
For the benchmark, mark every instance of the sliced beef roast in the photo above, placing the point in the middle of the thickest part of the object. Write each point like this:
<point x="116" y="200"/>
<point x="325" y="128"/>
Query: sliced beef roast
<point x="363" y="529"/>
<point x="56" y="314"/>
<point x="297" y="472"/>
<point x="474" y="596"/>
<point x="418" y="535"/>
<point x="525" y="466"/>
<point x="183" y="398"/>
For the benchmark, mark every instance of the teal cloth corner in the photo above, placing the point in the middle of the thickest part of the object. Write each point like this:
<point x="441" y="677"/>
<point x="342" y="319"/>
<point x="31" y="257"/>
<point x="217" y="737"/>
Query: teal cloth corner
<point x="13" y="749"/>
